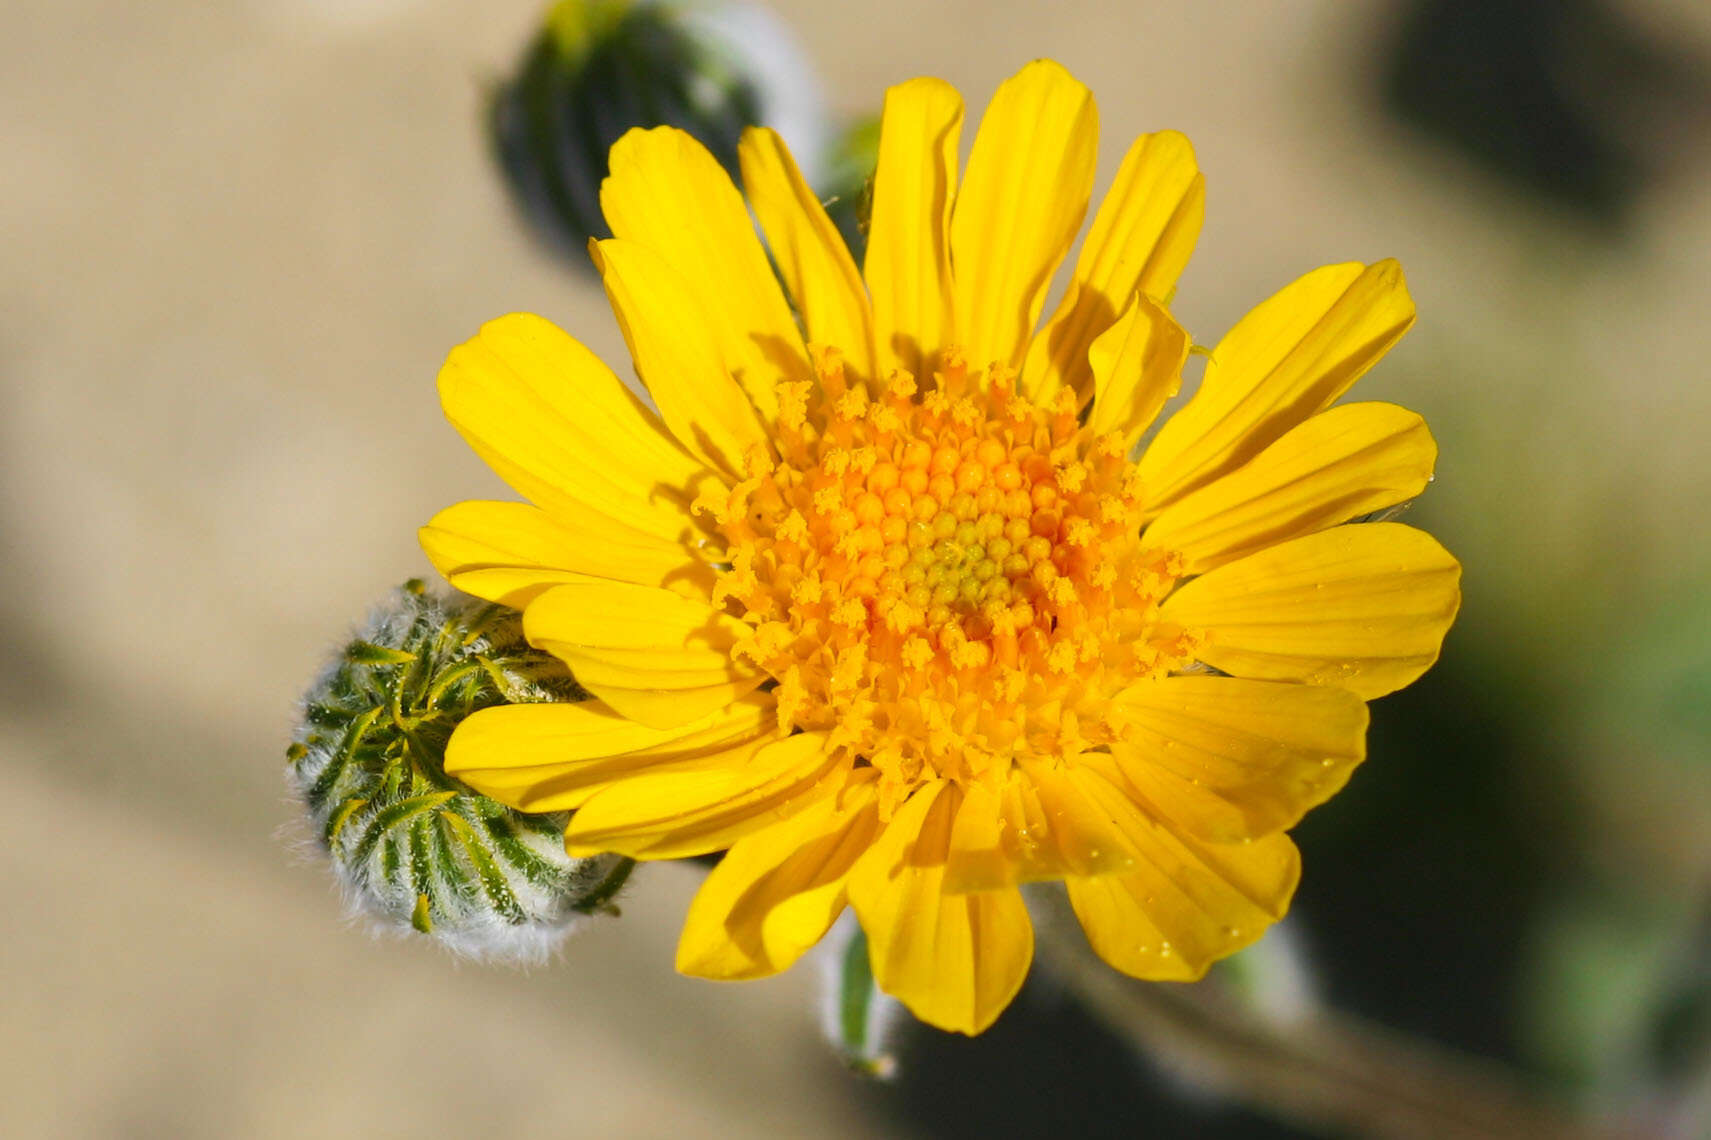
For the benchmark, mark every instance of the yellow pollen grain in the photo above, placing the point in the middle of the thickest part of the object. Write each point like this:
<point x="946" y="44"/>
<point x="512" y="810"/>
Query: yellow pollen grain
<point x="828" y="499"/>
<point x="852" y="405"/>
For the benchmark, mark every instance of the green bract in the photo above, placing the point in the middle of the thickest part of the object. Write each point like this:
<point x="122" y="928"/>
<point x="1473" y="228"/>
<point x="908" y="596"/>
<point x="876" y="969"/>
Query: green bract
<point x="412" y="846"/>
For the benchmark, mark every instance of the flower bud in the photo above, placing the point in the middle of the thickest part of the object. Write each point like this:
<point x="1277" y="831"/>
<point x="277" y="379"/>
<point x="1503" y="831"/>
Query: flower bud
<point x="597" y="68"/>
<point x="854" y="155"/>
<point x="859" y="1021"/>
<point x="412" y="846"/>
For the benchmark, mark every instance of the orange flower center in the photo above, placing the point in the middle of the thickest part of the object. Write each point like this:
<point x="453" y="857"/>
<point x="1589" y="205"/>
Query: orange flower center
<point x="947" y="582"/>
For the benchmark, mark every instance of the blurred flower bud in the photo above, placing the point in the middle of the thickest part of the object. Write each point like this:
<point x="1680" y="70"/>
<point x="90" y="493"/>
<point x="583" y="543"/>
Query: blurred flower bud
<point x="859" y="1021"/>
<point x="849" y="180"/>
<point x="411" y="846"/>
<point x="1273" y="977"/>
<point x="600" y="67"/>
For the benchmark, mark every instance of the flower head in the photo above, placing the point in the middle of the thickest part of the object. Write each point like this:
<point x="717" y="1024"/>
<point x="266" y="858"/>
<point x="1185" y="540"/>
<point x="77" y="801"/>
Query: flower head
<point x="881" y="604"/>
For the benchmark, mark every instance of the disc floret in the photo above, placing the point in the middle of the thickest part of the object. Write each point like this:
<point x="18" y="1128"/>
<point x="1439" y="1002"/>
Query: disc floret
<point x="946" y="580"/>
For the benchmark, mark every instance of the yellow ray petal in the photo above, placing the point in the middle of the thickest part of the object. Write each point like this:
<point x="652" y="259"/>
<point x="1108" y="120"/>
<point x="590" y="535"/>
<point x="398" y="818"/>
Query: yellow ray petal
<point x="653" y="655"/>
<point x="553" y="757"/>
<point x="1045" y="824"/>
<point x="1188" y="905"/>
<point x="1289" y="358"/>
<point x="1230" y="759"/>
<point x="982" y="853"/>
<point x="1140" y="240"/>
<point x="777" y="892"/>
<point x="675" y="346"/>
<point x="1362" y="607"/>
<point x="1022" y="200"/>
<point x="812" y="258"/>
<point x="672" y="815"/>
<point x="955" y="960"/>
<point x="1137" y="366"/>
<point x="1343" y="462"/>
<point x="557" y="425"/>
<point x="908" y="262"/>
<point x="1080" y="836"/>
<point x="511" y="552"/>
<point x="668" y="193"/>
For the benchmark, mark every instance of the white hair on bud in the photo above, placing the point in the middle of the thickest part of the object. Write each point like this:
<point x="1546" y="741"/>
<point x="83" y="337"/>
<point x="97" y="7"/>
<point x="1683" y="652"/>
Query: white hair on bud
<point x="883" y="1014"/>
<point x="764" y="50"/>
<point x="412" y="848"/>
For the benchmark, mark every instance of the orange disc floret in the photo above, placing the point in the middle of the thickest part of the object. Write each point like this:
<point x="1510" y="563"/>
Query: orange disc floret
<point x="985" y="546"/>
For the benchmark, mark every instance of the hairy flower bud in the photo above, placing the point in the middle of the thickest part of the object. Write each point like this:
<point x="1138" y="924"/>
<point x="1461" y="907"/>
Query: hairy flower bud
<point x="597" y="68"/>
<point x="849" y="178"/>
<point x="412" y="846"/>
<point x="859" y="1021"/>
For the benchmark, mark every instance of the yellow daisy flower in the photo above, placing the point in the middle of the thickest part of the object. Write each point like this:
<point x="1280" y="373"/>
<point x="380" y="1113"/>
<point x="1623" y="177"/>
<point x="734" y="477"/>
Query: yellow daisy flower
<point x="879" y="603"/>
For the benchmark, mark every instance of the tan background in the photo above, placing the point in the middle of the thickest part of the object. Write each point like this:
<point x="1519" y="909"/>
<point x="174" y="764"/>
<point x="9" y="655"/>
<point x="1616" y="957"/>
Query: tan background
<point x="236" y="239"/>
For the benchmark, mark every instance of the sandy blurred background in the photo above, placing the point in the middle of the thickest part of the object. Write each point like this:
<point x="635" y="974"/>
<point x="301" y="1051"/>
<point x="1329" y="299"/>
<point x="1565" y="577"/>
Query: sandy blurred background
<point x="236" y="241"/>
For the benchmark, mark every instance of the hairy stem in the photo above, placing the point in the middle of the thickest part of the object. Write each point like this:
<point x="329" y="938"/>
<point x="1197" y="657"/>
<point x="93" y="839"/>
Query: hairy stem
<point x="1324" y="1070"/>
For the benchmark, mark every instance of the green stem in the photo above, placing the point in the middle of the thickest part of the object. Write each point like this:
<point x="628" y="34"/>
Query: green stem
<point x="855" y="996"/>
<point x="1327" y="1071"/>
<point x="600" y="898"/>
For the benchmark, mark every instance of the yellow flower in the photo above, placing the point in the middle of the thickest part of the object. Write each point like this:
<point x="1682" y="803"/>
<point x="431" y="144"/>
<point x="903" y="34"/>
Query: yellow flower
<point x="879" y="603"/>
